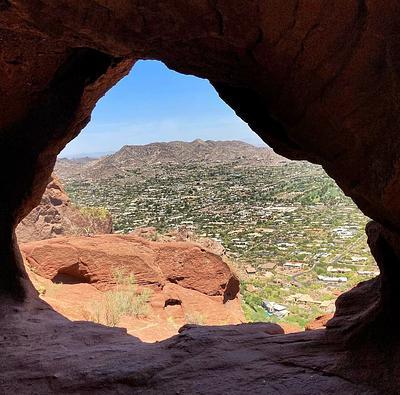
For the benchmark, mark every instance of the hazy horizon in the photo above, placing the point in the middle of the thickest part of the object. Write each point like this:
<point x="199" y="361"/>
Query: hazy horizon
<point x="155" y="104"/>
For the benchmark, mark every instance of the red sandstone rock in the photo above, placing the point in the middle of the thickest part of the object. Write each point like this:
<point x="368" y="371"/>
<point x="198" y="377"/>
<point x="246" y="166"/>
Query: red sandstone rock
<point x="168" y="309"/>
<point x="56" y="216"/>
<point x="189" y="284"/>
<point x="93" y="259"/>
<point x="306" y="99"/>
<point x="290" y="328"/>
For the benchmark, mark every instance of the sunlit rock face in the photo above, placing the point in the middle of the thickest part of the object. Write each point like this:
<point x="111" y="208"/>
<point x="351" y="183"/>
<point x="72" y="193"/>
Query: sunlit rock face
<point x="316" y="80"/>
<point x="93" y="259"/>
<point x="56" y="216"/>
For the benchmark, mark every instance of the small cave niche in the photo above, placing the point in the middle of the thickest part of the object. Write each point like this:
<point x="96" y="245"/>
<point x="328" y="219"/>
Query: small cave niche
<point x="70" y="275"/>
<point x="172" y="302"/>
<point x="56" y="201"/>
<point x="64" y="278"/>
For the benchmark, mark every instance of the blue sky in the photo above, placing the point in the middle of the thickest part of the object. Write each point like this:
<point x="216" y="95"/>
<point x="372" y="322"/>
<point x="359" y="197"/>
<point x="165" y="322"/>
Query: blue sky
<point x="154" y="103"/>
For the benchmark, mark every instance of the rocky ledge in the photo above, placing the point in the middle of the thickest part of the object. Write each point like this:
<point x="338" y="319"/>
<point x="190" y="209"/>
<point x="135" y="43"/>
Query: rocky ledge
<point x="43" y="352"/>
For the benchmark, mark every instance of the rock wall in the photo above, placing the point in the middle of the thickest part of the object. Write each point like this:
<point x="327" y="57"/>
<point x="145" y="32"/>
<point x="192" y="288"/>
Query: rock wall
<point x="56" y="216"/>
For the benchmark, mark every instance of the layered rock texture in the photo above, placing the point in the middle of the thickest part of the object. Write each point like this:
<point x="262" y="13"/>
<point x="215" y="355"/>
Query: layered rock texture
<point x="57" y="216"/>
<point x="317" y="80"/>
<point x="93" y="259"/>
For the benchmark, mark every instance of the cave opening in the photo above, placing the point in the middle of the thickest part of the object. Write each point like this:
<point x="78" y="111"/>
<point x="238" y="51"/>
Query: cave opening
<point x="283" y="229"/>
<point x="317" y="80"/>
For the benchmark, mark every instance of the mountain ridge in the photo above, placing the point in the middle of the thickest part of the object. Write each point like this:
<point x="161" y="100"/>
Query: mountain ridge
<point x="207" y="152"/>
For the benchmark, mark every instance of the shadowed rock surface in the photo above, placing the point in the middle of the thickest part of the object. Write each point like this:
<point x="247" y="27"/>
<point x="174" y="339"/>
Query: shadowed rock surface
<point x="317" y="80"/>
<point x="82" y="358"/>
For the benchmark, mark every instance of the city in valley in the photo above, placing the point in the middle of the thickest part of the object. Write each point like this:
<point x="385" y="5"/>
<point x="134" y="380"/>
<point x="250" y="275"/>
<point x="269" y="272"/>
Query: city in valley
<point x="294" y="239"/>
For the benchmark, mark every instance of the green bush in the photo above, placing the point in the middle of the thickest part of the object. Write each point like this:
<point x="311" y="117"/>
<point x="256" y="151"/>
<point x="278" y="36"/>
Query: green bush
<point x="94" y="212"/>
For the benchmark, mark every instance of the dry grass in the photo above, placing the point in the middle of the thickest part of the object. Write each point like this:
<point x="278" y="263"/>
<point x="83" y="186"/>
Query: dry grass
<point x="124" y="300"/>
<point x="195" y="318"/>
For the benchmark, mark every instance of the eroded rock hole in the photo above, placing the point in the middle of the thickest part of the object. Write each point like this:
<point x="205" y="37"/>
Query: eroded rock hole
<point x="176" y="279"/>
<point x="318" y="80"/>
<point x="172" y="302"/>
<point x="65" y="278"/>
<point x="227" y="231"/>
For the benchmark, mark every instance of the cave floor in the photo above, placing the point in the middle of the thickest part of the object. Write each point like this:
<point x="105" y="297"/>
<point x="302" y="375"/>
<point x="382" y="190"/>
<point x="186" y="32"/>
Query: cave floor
<point x="43" y="352"/>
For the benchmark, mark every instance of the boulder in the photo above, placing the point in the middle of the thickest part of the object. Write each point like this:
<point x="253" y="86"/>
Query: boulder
<point x="189" y="285"/>
<point x="94" y="260"/>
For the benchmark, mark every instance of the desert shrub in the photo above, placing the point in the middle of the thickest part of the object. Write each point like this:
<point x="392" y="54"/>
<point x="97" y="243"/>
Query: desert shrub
<point x="96" y="311"/>
<point x="124" y="300"/>
<point x="194" y="318"/>
<point x="94" y="212"/>
<point x="255" y="313"/>
<point x="113" y="309"/>
<point x="41" y="289"/>
<point x="139" y="306"/>
<point x="92" y="215"/>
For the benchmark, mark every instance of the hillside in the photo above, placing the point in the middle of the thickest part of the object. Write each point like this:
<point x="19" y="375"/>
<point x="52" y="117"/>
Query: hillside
<point x="69" y="167"/>
<point x="131" y="157"/>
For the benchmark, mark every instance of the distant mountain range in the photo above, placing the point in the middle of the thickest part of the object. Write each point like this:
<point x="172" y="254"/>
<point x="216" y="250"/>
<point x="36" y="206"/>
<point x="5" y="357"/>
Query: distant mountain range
<point x="129" y="157"/>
